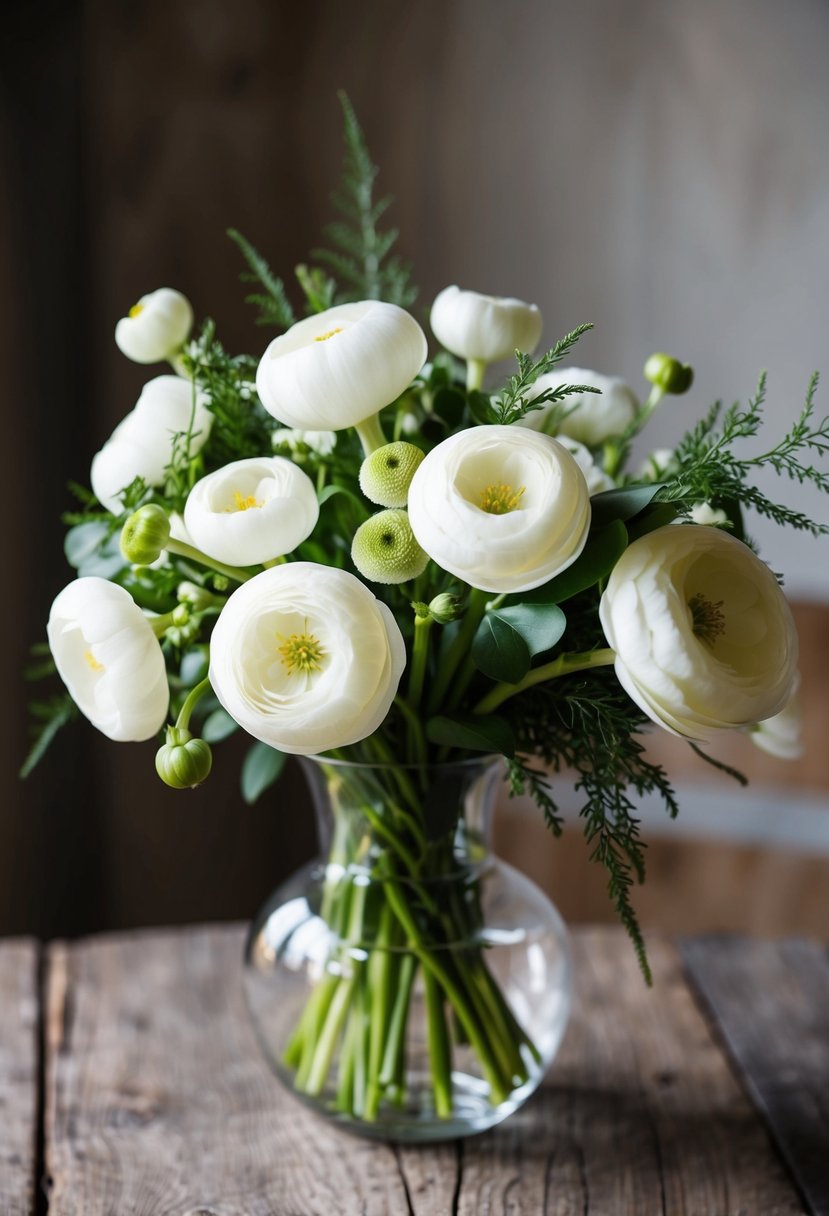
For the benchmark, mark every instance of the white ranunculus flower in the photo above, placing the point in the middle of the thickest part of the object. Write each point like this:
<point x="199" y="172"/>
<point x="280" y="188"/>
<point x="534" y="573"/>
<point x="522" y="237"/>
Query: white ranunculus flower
<point x="658" y="464"/>
<point x="781" y="735"/>
<point x="485" y="328"/>
<point x="337" y="368"/>
<point x="156" y="327"/>
<point x="591" y="417"/>
<point x="597" y="480"/>
<point x="305" y="658"/>
<point x="704" y="638"/>
<point x="501" y="507"/>
<point x="109" y="659"/>
<point x="142" y="443"/>
<point x="704" y="513"/>
<point x="321" y="442"/>
<point x="251" y="511"/>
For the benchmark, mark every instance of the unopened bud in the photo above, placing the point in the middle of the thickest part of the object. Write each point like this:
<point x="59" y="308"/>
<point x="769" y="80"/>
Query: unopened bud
<point x="385" y="475"/>
<point x="183" y="761"/>
<point x="669" y="374"/>
<point x="145" y="534"/>
<point x="445" y="608"/>
<point x="384" y="549"/>
<point x="197" y="597"/>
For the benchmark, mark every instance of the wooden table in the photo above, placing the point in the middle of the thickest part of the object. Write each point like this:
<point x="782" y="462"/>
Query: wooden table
<point x="134" y="1086"/>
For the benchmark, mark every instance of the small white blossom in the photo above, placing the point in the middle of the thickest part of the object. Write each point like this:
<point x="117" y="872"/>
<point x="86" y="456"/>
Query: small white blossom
<point x="591" y="418"/>
<point x="704" y="513"/>
<point x="486" y="328"/>
<point x="321" y="442"/>
<point x="109" y="659"/>
<point x="156" y="327"/>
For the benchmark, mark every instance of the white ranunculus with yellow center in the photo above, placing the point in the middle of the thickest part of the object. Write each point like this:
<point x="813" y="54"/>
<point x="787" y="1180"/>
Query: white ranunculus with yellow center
<point x="484" y="328"/>
<point x="251" y="511"/>
<point x="142" y="443"/>
<point x="306" y="659"/>
<point x="339" y="367"/>
<point x="591" y="418"/>
<point x="704" y="638"/>
<point x="156" y="327"/>
<point x="501" y="507"/>
<point x="109" y="659"/>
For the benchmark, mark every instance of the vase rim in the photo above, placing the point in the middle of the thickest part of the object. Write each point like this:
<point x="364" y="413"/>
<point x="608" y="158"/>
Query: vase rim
<point x="484" y="760"/>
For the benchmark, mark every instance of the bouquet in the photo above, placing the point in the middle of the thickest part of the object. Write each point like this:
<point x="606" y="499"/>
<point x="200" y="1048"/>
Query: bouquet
<point x="356" y="551"/>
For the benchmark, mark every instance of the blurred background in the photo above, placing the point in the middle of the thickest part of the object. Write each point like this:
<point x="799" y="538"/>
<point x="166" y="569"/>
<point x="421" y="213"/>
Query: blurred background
<point x="658" y="168"/>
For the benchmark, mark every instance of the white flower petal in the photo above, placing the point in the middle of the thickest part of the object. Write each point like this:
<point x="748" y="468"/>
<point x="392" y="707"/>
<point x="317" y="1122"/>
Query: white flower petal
<point x="591" y="417"/>
<point x="489" y="328"/>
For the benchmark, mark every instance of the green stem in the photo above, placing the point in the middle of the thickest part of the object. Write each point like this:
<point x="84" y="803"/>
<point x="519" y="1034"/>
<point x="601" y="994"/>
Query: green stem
<point x="370" y="433"/>
<point x="459" y="648"/>
<point x="379" y="982"/>
<point x="414" y="731"/>
<point x="564" y="665"/>
<point x="193" y="697"/>
<point x="475" y="372"/>
<point x="440" y="1055"/>
<point x="420" y="655"/>
<point x="195" y="555"/>
<point x="397" y="1022"/>
<point x="160" y="624"/>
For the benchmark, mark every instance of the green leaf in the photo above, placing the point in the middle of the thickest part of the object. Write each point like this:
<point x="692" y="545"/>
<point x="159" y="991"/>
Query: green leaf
<point x="219" y="725"/>
<point x="622" y="504"/>
<point x="596" y="560"/>
<point x="449" y="404"/>
<point x="480" y="406"/>
<point x="475" y="732"/>
<point x="260" y="769"/>
<point x="540" y="625"/>
<point x="82" y="542"/>
<point x="658" y="515"/>
<point x="499" y="651"/>
<point x="331" y="491"/>
<point x="194" y="665"/>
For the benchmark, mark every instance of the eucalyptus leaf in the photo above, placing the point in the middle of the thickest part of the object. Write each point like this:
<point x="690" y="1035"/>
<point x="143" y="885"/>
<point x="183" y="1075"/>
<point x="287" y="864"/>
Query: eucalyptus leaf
<point x="540" y="625"/>
<point x="194" y="665"/>
<point x="622" y="504"/>
<point x="260" y="769"/>
<point x="82" y="541"/>
<point x="596" y="560"/>
<point x="475" y="732"/>
<point x="499" y="651"/>
<point x="219" y="725"/>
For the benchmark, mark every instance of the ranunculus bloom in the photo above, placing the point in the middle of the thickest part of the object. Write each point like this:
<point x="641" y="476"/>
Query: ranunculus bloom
<point x="781" y="735"/>
<point x="486" y="328"/>
<point x="156" y="327"/>
<point x="596" y="478"/>
<point x="337" y="368"/>
<point x="251" y="511"/>
<point x="591" y="417"/>
<point x="305" y="658"/>
<point x="142" y="443"/>
<point x="109" y="658"/>
<point x="321" y="442"/>
<point x="704" y="638"/>
<point x="501" y="507"/>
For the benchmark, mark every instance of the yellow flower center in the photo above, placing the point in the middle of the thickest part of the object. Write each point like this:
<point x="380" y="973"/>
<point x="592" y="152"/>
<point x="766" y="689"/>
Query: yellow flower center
<point x="244" y="502"/>
<point x="330" y="334"/>
<point x="302" y="652"/>
<point x="707" y="617"/>
<point x="136" y="309"/>
<point x="500" y="499"/>
<point x="92" y="661"/>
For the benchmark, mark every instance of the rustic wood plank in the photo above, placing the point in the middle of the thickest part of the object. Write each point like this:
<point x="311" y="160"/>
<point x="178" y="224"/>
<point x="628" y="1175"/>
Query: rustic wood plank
<point x="19" y="1044"/>
<point x="771" y="1002"/>
<point x="640" y="1113"/>
<point x="158" y="1102"/>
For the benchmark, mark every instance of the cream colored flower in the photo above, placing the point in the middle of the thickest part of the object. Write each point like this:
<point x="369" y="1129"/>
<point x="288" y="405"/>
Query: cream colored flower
<point x="591" y="418"/>
<point x="597" y="480"/>
<point x="305" y="658"/>
<point x="156" y="327"/>
<point x="337" y="368"/>
<point x="485" y="328"/>
<point x="251" y="511"/>
<point x="782" y="734"/>
<point x="109" y="659"/>
<point x="142" y="443"/>
<point x="501" y="507"/>
<point x="704" y="638"/>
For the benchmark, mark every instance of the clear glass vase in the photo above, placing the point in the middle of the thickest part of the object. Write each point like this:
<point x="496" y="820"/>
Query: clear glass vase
<point x="410" y="986"/>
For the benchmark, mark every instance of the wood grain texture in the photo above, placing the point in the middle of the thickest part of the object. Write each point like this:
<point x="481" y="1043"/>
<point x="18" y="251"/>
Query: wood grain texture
<point x="18" y="1075"/>
<point x="771" y="1001"/>
<point x="158" y="1102"/>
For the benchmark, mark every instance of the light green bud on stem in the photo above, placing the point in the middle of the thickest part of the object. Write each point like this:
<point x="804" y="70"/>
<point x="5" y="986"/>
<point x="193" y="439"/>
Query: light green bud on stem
<point x="385" y="475"/>
<point x="145" y="534"/>
<point x="196" y="596"/>
<point x="669" y="374"/>
<point x="183" y="762"/>
<point x="384" y="549"/>
<point x="445" y="608"/>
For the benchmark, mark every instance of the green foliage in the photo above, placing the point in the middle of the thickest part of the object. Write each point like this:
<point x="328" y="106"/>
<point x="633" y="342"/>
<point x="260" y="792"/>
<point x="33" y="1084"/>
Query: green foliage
<point x="514" y="402"/>
<point x="49" y="716"/>
<point x="524" y="779"/>
<point x="359" y="253"/>
<point x="274" y="305"/>
<point x="710" y="470"/>
<point x="473" y="733"/>
<point x="598" y="557"/>
<point x="241" y="427"/>
<point x="509" y="637"/>
<point x="261" y="768"/>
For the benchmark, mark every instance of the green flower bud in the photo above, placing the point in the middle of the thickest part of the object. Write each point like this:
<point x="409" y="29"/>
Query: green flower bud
<point x="183" y="762"/>
<point x="384" y="549"/>
<point x="445" y="608"/>
<point x="197" y="597"/>
<point x="669" y="374"/>
<point x="385" y="475"/>
<point x="145" y="534"/>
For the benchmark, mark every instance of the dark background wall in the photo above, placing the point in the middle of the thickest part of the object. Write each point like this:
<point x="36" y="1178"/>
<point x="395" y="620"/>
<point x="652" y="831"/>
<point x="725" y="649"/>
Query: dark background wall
<point x="658" y="168"/>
